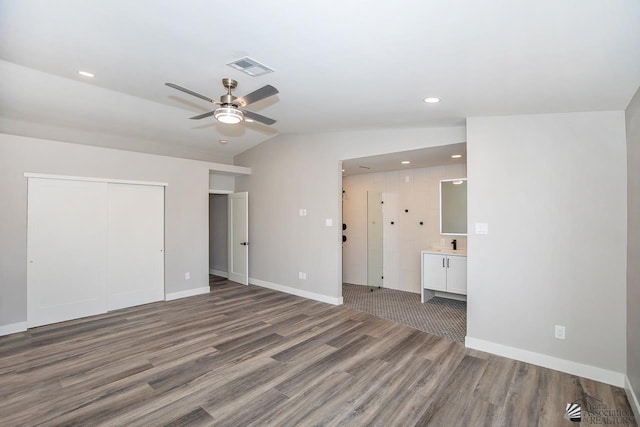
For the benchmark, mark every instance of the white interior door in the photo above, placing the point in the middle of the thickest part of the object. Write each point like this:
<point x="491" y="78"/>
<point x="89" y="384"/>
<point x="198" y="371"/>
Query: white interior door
<point x="136" y="245"/>
<point x="239" y="238"/>
<point x="66" y="250"/>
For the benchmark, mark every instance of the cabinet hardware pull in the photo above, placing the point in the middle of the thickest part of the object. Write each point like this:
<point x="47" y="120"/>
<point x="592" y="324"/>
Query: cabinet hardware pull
<point x="442" y="262"/>
<point x="447" y="262"/>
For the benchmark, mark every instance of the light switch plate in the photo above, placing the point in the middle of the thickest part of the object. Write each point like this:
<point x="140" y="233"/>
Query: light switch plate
<point x="482" y="228"/>
<point x="328" y="222"/>
<point x="303" y="212"/>
<point x="187" y="276"/>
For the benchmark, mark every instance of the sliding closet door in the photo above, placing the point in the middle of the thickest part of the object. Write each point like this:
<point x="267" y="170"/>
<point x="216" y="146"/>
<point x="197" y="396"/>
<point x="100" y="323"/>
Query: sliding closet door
<point x="66" y="250"/>
<point x="136" y="245"/>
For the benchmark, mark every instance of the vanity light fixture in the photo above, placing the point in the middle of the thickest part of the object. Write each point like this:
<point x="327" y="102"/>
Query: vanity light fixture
<point x="456" y="156"/>
<point x="432" y="100"/>
<point x="405" y="162"/>
<point x="223" y="141"/>
<point x="86" y="74"/>
<point x="457" y="182"/>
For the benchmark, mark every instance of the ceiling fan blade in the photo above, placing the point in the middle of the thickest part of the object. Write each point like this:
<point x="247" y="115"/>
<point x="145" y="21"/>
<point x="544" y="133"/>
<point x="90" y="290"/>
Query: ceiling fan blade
<point x="256" y="95"/>
<point x="257" y="117"/>
<point x="190" y="92"/>
<point x="202" y="116"/>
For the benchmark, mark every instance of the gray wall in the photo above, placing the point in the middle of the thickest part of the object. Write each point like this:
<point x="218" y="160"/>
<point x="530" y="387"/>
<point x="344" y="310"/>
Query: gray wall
<point x="218" y="231"/>
<point x="186" y="222"/>
<point x="553" y="190"/>
<point x="633" y="244"/>
<point x="290" y="172"/>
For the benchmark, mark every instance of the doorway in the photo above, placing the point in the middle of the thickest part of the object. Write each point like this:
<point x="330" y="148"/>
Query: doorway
<point x="228" y="237"/>
<point x="218" y="238"/>
<point x="391" y="207"/>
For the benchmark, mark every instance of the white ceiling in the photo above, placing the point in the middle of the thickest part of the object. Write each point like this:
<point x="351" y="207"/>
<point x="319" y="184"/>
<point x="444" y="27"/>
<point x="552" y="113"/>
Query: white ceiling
<point x="421" y="158"/>
<point x="343" y="65"/>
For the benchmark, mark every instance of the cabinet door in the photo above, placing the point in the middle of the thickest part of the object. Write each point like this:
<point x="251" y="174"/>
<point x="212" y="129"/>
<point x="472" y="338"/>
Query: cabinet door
<point x="457" y="274"/>
<point x="434" y="272"/>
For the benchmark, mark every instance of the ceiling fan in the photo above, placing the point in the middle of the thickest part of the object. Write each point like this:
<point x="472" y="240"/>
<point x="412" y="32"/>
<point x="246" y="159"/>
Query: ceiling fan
<point x="231" y="110"/>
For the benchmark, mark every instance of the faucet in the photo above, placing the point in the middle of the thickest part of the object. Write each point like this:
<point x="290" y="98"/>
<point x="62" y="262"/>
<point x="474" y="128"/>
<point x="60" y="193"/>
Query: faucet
<point x="454" y="243"/>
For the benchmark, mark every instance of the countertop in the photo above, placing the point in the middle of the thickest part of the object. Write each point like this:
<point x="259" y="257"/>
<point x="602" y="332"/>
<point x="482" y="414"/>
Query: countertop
<point x="444" y="251"/>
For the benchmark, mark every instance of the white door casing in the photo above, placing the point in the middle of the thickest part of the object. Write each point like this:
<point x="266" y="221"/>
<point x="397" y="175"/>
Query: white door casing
<point x="66" y="250"/>
<point x="239" y="238"/>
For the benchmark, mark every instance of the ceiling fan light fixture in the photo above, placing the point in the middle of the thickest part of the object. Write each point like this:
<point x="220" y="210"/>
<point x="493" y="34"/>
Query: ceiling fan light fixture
<point x="228" y="115"/>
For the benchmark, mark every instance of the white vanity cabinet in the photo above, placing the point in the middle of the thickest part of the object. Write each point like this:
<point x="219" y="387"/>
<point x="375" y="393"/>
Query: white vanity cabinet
<point x="444" y="272"/>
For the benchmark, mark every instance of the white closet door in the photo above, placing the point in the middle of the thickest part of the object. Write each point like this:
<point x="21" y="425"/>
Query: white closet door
<point x="136" y="245"/>
<point x="66" y="250"/>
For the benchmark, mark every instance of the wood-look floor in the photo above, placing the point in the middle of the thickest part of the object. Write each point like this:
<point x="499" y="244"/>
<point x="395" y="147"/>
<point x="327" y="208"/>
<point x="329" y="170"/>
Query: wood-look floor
<point x="244" y="356"/>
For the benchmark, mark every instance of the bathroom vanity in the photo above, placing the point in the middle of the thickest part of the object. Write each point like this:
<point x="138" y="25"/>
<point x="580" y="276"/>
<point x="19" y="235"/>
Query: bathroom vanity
<point x="444" y="272"/>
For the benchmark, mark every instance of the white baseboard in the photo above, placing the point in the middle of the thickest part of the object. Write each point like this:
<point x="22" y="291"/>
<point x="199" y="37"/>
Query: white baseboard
<point x="218" y="273"/>
<point x="187" y="293"/>
<point x="298" y="292"/>
<point x="633" y="398"/>
<point x="13" y="328"/>
<point x="562" y="365"/>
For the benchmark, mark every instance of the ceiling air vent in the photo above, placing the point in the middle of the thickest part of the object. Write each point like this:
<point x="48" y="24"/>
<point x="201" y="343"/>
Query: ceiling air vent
<point x="250" y="66"/>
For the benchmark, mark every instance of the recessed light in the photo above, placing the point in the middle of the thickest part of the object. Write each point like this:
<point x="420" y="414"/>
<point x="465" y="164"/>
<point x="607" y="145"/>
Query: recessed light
<point x="432" y="100"/>
<point x="405" y="162"/>
<point x="86" y="74"/>
<point x="456" y="156"/>
<point x="223" y="141"/>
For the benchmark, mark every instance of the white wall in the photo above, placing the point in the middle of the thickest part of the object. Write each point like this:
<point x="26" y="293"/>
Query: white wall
<point x="186" y="210"/>
<point x="420" y="195"/>
<point x="291" y="172"/>
<point x="553" y="190"/>
<point x="633" y="249"/>
<point x="218" y="232"/>
<point x="222" y="182"/>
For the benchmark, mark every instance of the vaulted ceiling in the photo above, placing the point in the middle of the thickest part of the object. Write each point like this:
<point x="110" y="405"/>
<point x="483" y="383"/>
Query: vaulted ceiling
<point x="339" y="65"/>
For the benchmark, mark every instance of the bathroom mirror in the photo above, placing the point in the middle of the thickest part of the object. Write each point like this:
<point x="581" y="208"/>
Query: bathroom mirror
<point x="374" y="238"/>
<point x="453" y="207"/>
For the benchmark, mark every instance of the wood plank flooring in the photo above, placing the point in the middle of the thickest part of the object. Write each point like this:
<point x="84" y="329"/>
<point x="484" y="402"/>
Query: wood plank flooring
<point x="243" y="356"/>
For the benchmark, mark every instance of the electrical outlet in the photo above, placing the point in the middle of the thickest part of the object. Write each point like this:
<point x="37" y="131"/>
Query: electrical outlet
<point x="442" y="242"/>
<point x="187" y="276"/>
<point x="560" y="332"/>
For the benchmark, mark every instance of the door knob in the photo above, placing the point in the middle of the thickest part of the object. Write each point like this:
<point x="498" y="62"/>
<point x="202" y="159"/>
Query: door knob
<point x="244" y="243"/>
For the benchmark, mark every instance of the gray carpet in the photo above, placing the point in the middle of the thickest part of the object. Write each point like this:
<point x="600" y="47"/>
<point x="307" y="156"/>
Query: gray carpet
<point x="439" y="316"/>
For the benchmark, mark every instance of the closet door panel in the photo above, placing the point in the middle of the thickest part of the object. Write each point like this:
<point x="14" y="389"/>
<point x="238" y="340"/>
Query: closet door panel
<point x="136" y="245"/>
<point x="66" y="250"/>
